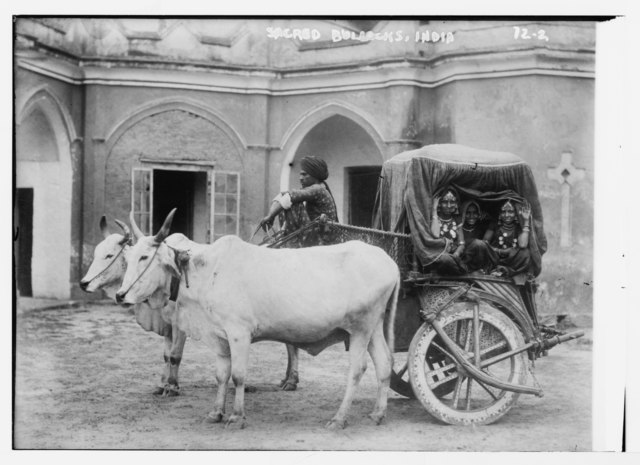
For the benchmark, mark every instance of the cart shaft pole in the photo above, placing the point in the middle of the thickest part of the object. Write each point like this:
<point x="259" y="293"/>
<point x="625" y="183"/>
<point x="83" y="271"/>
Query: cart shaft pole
<point x="476" y="372"/>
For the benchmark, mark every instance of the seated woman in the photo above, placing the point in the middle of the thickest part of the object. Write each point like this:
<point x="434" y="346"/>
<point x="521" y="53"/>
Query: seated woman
<point x="446" y="224"/>
<point x="509" y="241"/>
<point x="476" y="255"/>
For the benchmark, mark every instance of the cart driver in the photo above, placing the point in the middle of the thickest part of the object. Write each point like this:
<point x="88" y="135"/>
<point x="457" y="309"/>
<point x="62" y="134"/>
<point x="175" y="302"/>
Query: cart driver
<point x="306" y="204"/>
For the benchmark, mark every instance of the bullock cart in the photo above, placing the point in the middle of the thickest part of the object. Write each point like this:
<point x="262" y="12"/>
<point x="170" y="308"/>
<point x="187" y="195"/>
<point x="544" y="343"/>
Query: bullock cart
<point x="465" y="344"/>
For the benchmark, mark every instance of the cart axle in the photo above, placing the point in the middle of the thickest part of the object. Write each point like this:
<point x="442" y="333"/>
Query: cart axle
<point x="554" y="341"/>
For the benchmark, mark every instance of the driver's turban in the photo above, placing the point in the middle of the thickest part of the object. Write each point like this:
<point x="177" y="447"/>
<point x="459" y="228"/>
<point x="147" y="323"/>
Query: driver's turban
<point x="315" y="167"/>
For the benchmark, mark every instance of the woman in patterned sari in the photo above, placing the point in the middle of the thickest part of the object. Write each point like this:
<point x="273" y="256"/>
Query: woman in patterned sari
<point x="476" y="255"/>
<point x="509" y="241"/>
<point x="446" y="224"/>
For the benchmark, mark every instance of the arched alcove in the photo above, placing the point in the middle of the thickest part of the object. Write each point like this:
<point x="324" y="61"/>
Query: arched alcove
<point x="354" y="160"/>
<point x="43" y="194"/>
<point x="36" y="138"/>
<point x="181" y="153"/>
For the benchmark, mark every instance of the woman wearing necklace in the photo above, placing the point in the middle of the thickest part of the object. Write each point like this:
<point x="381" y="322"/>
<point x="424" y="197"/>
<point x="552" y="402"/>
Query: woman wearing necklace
<point x="472" y="217"/>
<point x="446" y="224"/>
<point x="510" y="240"/>
<point x="476" y="255"/>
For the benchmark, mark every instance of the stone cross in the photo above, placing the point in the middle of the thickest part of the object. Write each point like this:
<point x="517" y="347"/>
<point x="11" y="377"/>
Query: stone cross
<point x="567" y="175"/>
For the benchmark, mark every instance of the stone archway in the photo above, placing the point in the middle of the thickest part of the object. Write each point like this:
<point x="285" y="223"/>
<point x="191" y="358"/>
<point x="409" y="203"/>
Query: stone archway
<point x="350" y="146"/>
<point x="184" y="152"/>
<point x="43" y="166"/>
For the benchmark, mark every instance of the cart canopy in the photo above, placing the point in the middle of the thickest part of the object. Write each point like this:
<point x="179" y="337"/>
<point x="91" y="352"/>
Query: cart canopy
<point x="410" y="181"/>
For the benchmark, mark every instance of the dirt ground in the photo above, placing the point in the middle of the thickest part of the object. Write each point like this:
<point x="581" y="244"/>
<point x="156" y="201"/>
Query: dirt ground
<point x="84" y="378"/>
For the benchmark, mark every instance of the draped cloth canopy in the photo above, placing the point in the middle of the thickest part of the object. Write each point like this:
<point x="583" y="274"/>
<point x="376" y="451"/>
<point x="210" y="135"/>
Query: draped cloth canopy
<point x="410" y="181"/>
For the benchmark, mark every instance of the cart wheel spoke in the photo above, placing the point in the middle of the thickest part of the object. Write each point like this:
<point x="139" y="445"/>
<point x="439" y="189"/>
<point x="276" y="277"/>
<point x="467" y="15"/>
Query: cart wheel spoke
<point x="479" y="349"/>
<point x="493" y="360"/>
<point x="456" y="392"/>
<point x="477" y="328"/>
<point x="486" y="388"/>
<point x="459" y="333"/>
<point x="467" y="342"/>
<point x="468" y="405"/>
<point x="443" y="350"/>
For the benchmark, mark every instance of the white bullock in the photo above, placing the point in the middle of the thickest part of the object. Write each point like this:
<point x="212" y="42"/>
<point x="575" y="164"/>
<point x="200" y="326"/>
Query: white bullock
<point x="106" y="272"/>
<point x="233" y="293"/>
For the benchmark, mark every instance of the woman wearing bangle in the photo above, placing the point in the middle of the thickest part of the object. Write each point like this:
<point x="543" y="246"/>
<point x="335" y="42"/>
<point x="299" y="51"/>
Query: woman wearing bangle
<point x="510" y="240"/>
<point x="446" y="224"/>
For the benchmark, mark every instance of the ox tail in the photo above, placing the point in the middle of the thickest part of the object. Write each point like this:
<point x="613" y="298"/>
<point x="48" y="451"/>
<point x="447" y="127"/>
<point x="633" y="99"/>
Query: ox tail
<point x="392" y="313"/>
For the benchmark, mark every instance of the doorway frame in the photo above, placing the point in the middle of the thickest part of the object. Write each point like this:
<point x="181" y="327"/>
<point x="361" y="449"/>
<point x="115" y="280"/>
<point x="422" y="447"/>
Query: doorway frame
<point x="349" y="171"/>
<point x="199" y="166"/>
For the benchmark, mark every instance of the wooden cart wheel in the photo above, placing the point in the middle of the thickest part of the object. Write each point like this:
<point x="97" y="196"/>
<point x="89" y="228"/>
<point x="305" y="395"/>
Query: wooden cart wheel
<point x="401" y="383"/>
<point x="400" y="376"/>
<point x="450" y="395"/>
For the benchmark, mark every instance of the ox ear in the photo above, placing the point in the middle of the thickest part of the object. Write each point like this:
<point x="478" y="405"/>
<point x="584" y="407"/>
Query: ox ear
<point x="127" y="233"/>
<point x="136" y="230"/>
<point x="171" y="267"/>
<point x="174" y="266"/>
<point x="103" y="227"/>
<point x="164" y="230"/>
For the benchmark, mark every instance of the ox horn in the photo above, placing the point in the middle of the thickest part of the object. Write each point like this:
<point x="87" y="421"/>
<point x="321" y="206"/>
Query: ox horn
<point x="136" y="230"/>
<point x="164" y="230"/>
<point x="103" y="227"/>
<point x="127" y="232"/>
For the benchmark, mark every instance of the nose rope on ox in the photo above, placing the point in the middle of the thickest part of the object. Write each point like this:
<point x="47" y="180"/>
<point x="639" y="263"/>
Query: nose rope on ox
<point x="181" y="256"/>
<point x="143" y="272"/>
<point x="110" y="263"/>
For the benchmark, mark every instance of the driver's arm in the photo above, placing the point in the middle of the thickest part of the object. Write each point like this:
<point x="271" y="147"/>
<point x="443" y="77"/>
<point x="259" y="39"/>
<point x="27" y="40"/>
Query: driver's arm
<point x="280" y="203"/>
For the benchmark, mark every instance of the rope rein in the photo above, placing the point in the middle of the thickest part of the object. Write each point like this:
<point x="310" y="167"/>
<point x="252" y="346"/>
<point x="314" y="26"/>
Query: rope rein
<point x="110" y="263"/>
<point x="143" y="271"/>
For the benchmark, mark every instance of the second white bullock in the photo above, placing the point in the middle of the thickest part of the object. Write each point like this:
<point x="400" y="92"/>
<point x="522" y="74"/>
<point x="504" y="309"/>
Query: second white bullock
<point x="106" y="272"/>
<point x="233" y="293"/>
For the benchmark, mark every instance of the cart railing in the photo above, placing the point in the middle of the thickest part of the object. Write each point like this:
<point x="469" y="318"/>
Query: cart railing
<point x="398" y="246"/>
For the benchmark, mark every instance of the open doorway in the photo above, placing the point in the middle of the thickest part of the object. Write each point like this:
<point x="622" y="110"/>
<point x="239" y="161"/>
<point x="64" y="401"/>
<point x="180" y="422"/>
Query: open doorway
<point x="186" y="191"/>
<point x="23" y="243"/>
<point x="362" y="184"/>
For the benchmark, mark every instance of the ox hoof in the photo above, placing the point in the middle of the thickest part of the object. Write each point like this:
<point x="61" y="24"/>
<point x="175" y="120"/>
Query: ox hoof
<point x="378" y="418"/>
<point x="335" y="424"/>
<point x="159" y="391"/>
<point x="236" y="421"/>
<point x="288" y="385"/>
<point x="171" y="392"/>
<point x="214" y="417"/>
